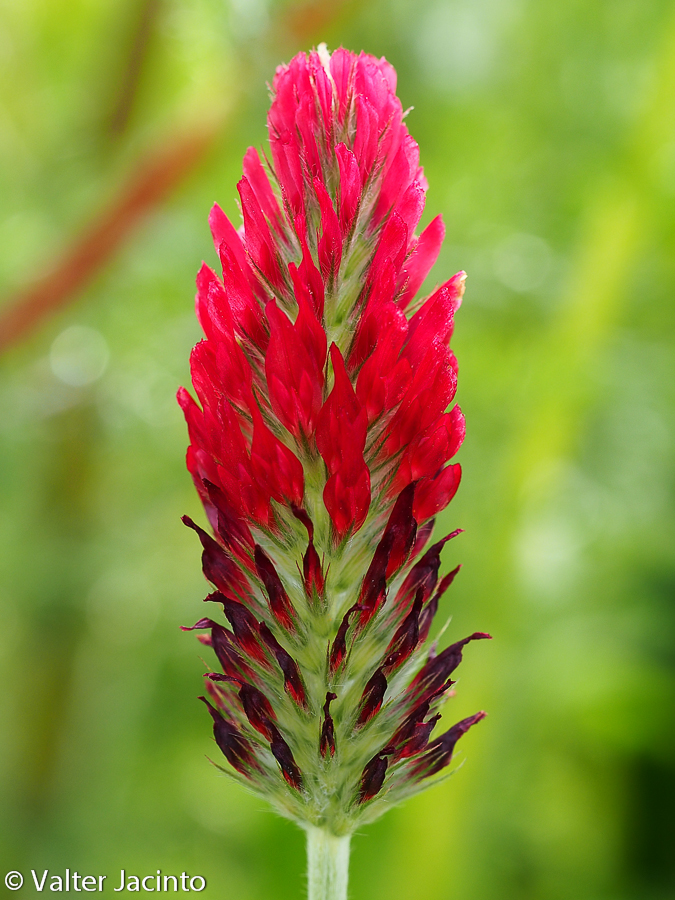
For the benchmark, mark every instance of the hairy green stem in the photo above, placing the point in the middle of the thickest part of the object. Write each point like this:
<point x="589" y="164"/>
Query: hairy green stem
<point x="327" y="865"/>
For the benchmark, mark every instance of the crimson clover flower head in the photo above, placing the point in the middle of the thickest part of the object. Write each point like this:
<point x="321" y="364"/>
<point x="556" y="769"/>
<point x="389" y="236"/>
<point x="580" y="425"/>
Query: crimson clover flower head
<point x="320" y="445"/>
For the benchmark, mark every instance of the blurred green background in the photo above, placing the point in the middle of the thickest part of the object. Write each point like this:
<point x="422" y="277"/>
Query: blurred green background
<point x="547" y="132"/>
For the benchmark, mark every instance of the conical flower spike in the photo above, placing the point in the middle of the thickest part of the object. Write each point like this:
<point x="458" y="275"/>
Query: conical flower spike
<point x="321" y="444"/>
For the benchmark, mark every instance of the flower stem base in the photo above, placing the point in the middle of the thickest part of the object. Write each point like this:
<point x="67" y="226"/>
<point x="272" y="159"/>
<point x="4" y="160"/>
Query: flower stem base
<point x="327" y="865"/>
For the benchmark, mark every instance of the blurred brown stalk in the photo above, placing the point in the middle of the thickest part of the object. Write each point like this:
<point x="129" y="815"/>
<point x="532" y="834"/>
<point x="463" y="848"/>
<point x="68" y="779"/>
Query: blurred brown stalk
<point x="152" y="181"/>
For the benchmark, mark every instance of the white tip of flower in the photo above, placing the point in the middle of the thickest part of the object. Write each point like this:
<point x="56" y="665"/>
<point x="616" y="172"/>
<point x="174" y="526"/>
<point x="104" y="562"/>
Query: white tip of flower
<point x="461" y="284"/>
<point x="324" y="56"/>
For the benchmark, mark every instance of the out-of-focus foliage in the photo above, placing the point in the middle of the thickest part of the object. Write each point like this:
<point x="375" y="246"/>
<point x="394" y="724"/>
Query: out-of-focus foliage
<point x="547" y="131"/>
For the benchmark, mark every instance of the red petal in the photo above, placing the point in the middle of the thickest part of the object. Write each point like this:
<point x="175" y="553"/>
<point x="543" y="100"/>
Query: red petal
<point x="330" y="243"/>
<point x="286" y="154"/>
<point x="421" y="260"/>
<point x="350" y="187"/>
<point x="308" y="274"/>
<point x="224" y="232"/>
<point x="246" y="310"/>
<point x="294" y="367"/>
<point x="365" y="139"/>
<point x="259" y="242"/>
<point x="342" y="69"/>
<point x="433" y="323"/>
<point x="391" y="249"/>
<point x="205" y="277"/>
<point x="347" y="497"/>
<point x="434" y="494"/>
<point x="277" y="467"/>
<point x="341" y="426"/>
<point x="402" y="169"/>
<point x="257" y="177"/>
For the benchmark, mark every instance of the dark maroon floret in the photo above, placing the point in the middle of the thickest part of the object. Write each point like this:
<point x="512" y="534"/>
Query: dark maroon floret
<point x="327" y="740"/>
<point x="424" y="574"/>
<point x="406" y="638"/>
<point x="372" y="698"/>
<point x="428" y="613"/>
<point x="244" y="625"/>
<point x="440" y="751"/>
<point x="281" y="606"/>
<point x="227" y="652"/>
<point x="232" y="530"/>
<point x="289" y="667"/>
<point x="219" y="568"/>
<point x="338" y="651"/>
<point x="438" y="669"/>
<point x="258" y="710"/>
<point x="236" y="749"/>
<point x="282" y="753"/>
<point x="373" y="776"/>
<point x="403" y="529"/>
